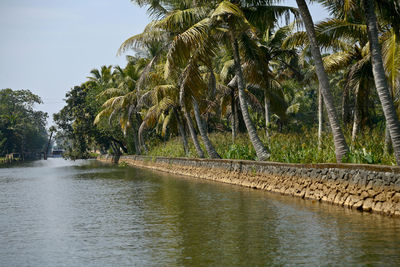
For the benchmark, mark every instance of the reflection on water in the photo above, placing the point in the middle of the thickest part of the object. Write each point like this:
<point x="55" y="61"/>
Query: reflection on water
<point x="56" y="212"/>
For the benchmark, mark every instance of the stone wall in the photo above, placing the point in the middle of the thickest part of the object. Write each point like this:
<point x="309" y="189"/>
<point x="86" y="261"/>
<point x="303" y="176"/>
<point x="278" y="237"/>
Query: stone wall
<point x="370" y="188"/>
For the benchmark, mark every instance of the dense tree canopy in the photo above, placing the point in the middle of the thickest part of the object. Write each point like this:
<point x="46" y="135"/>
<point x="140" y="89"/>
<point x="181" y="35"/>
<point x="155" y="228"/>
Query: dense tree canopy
<point x="210" y="68"/>
<point x="22" y="128"/>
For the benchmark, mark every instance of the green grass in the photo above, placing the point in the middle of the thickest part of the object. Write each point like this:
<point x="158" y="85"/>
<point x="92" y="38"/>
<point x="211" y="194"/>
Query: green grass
<point x="287" y="147"/>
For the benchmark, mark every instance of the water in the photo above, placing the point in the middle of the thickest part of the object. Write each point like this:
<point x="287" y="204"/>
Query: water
<point x="85" y="213"/>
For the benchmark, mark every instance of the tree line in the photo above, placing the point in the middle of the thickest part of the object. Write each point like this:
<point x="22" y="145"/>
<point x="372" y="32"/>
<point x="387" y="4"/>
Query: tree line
<point x="22" y="128"/>
<point x="207" y="67"/>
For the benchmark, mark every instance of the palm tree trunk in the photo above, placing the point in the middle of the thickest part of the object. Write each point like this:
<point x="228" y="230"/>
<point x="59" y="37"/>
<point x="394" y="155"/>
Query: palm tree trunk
<point x="357" y="116"/>
<point x="345" y="106"/>
<point x="320" y="118"/>
<point x="141" y="139"/>
<point x="203" y="132"/>
<point x="139" y="121"/>
<point x="134" y="130"/>
<point x="47" y="147"/>
<point x="388" y="142"/>
<point x="267" y="104"/>
<point x="341" y="147"/>
<point x="261" y="151"/>
<point x="136" y="141"/>
<point x="234" y="117"/>
<point x="117" y="152"/>
<point x="212" y="84"/>
<point x="381" y="85"/>
<point x="212" y="90"/>
<point x="182" y="133"/>
<point x="189" y="122"/>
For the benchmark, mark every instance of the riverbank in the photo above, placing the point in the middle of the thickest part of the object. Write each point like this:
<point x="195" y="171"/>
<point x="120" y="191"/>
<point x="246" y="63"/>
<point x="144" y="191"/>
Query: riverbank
<point x="369" y="188"/>
<point x="5" y="162"/>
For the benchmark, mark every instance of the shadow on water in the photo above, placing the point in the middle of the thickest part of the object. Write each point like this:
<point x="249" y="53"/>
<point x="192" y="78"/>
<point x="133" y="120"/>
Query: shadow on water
<point x="60" y="212"/>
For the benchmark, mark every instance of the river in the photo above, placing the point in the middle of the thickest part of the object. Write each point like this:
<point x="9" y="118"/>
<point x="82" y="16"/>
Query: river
<point x="87" y="213"/>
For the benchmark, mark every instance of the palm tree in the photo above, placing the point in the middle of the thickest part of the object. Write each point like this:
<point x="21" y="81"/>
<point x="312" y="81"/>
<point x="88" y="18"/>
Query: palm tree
<point x="260" y="54"/>
<point x="231" y="16"/>
<point x="164" y="111"/>
<point x="341" y="148"/>
<point x="119" y="98"/>
<point x="381" y="85"/>
<point x="196" y="33"/>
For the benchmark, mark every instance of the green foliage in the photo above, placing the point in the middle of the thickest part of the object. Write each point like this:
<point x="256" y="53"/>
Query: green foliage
<point x="22" y="129"/>
<point x="300" y="147"/>
<point x="360" y="156"/>
<point x="240" y="152"/>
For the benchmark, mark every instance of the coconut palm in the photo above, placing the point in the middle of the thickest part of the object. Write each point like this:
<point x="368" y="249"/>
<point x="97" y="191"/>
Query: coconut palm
<point x="341" y="148"/>
<point x="388" y="12"/>
<point x="120" y="98"/>
<point x="381" y="84"/>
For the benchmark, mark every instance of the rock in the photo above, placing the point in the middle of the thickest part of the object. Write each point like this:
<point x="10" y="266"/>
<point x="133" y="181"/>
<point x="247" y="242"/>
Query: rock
<point x="338" y="199"/>
<point x="347" y="202"/>
<point x="331" y="196"/>
<point x="358" y="205"/>
<point x="368" y="204"/>
<point x="377" y="207"/>
<point x="396" y="207"/>
<point x="396" y="198"/>
<point x="387" y="207"/>
<point x="380" y="197"/>
<point x="364" y="195"/>
<point x="372" y="193"/>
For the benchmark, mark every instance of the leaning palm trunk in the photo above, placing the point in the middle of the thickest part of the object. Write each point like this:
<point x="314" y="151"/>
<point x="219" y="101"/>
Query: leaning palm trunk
<point x="388" y="142"/>
<point x="189" y="122"/>
<point x="341" y="148"/>
<point x="259" y="147"/>
<point x="392" y="122"/>
<point x="140" y="134"/>
<point x="203" y="132"/>
<point x="182" y="133"/>
<point x="320" y="118"/>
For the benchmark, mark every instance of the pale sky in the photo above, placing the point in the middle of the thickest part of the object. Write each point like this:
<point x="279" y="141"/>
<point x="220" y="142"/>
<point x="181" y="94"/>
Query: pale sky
<point x="49" y="46"/>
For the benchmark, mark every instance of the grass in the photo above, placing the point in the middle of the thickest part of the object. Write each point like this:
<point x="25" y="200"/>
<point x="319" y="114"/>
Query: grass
<point x="287" y="147"/>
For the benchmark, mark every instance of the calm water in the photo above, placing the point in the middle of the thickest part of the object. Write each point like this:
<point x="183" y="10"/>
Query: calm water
<point x="84" y="213"/>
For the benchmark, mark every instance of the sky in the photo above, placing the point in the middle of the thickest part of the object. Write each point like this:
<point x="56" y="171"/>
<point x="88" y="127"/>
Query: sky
<point x="49" y="46"/>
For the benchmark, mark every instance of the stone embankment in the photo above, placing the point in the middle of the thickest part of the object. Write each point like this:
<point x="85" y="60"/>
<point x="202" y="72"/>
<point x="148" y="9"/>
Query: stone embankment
<point x="370" y="188"/>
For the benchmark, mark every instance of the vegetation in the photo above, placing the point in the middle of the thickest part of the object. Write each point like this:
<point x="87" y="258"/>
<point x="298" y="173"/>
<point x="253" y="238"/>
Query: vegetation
<point x="22" y="128"/>
<point x="288" y="147"/>
<point x="224" y="79"/>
